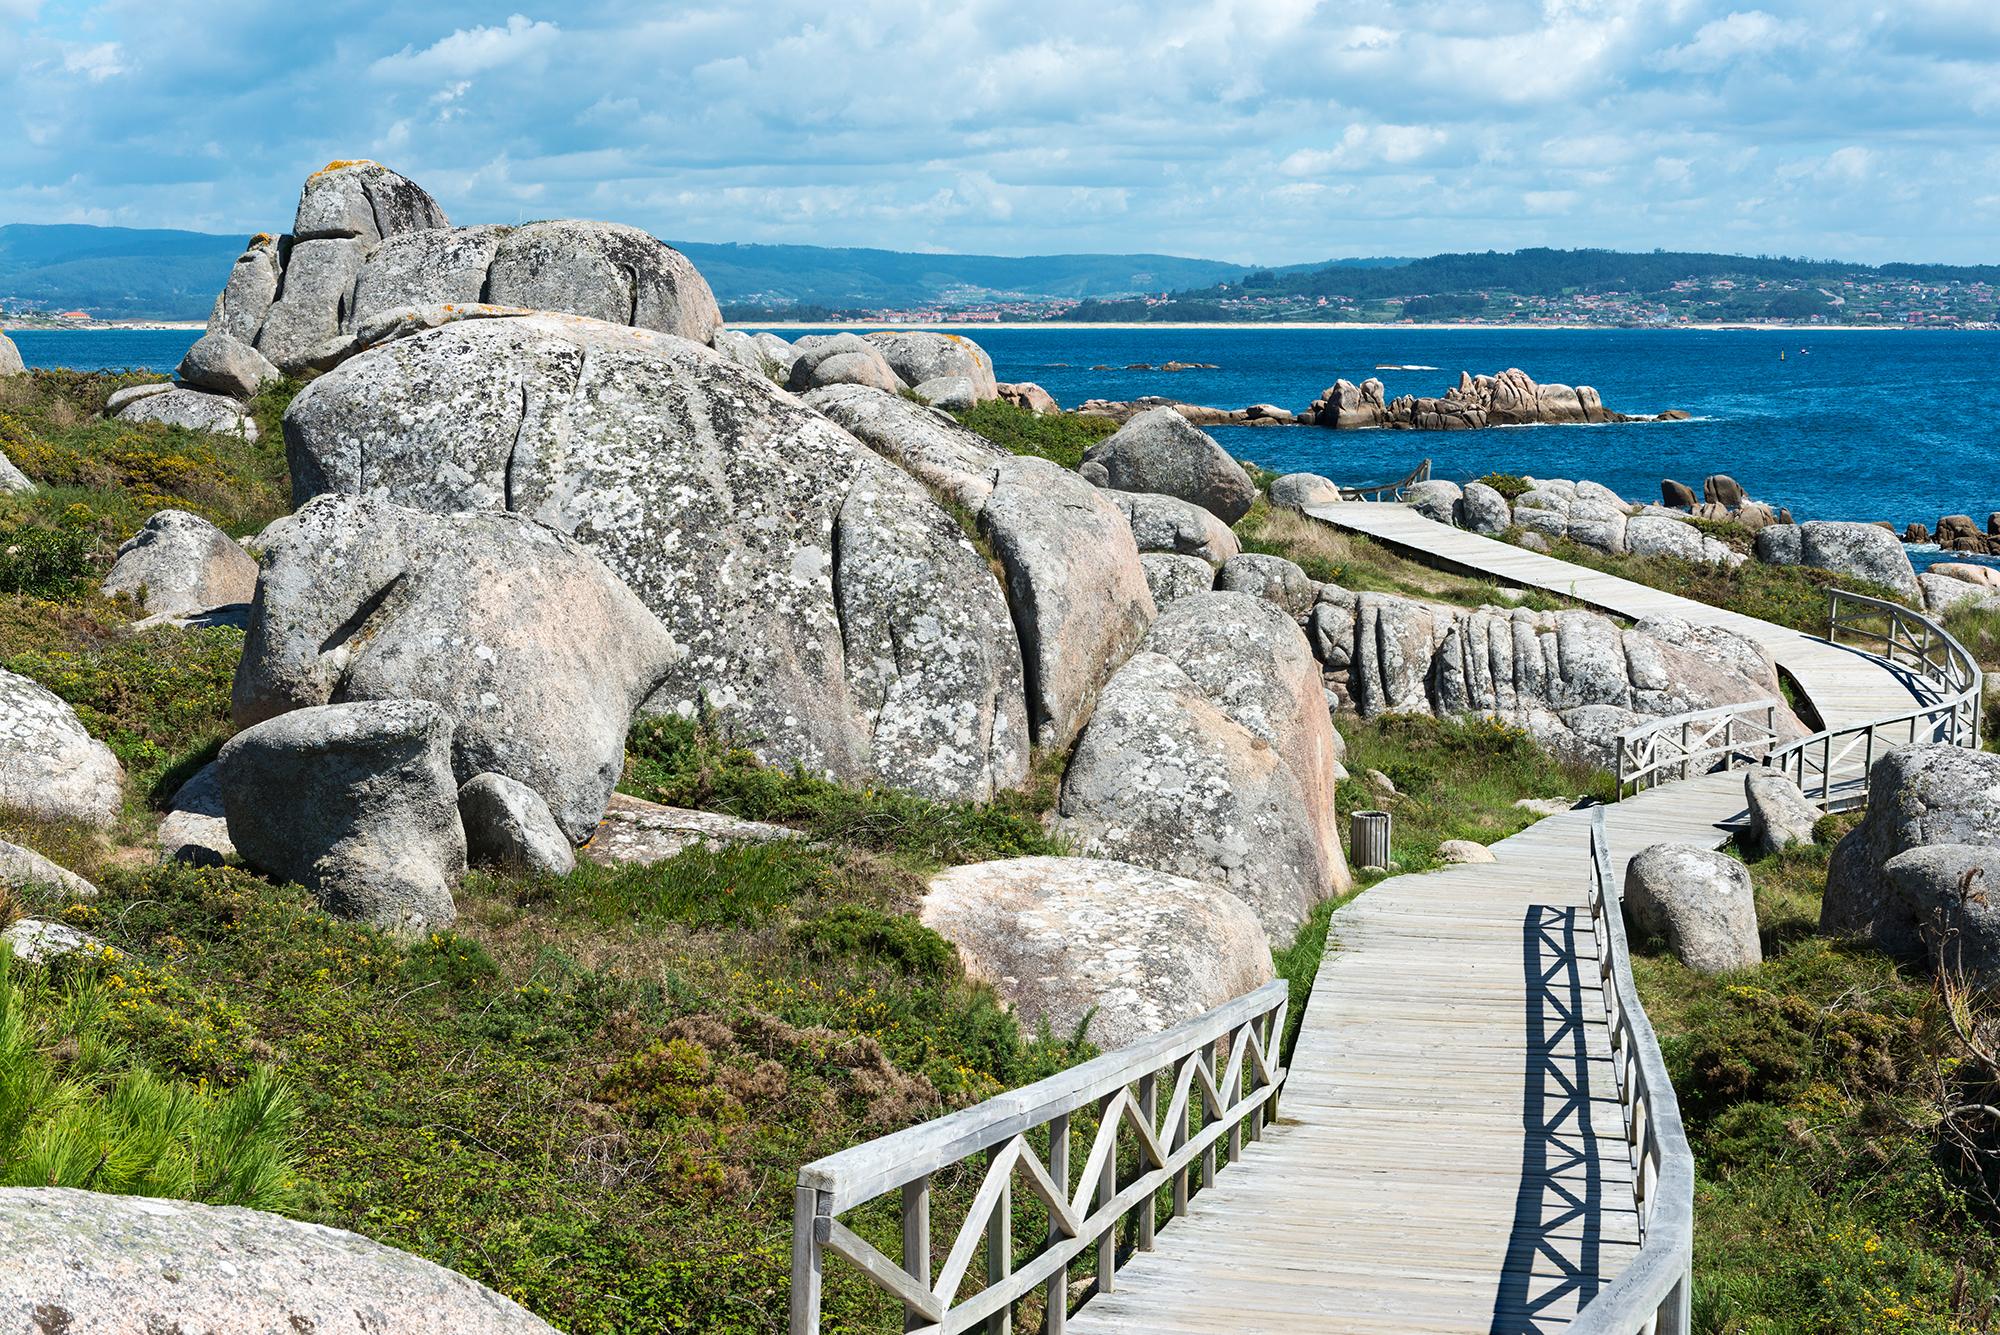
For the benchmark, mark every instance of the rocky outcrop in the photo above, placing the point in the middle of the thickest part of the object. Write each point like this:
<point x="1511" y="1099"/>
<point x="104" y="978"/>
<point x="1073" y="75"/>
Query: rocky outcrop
<point x="10" y="358"/>
<point x="535" y="651"/>
<point x="1211" y="756"/>
<point x="1295" y="491"/>
<point x="1483" y="510"/>
<point x="367" y="242"/>
<point x="38" y="941"/>
<point x="1780" y="816"/>
<point x="1171" y="576"/>
<point x="1168" y="524"/>
<point x="355" y="802"/>
<point x="1159" y="451"/>
<point x="928" y="445"/>
<point x="1585" y="513"/>
<point x="224" y="364"/>
<point x="833" y="614"/>
<point x="921" y="356"/>
<point x="841" y="359"/>
<point x="1029" y="395"/>
<point x="1861" y="551"/>
<point x="81" y="1261"/>
<point x="180" y="563"/>
<point x="1434" y="499"/>
<point x="1272" y="578"/>
<point x="509" y="828"/>
<point x="1698" y="901"/>
<point x="1118" y="950"/>
<point x="1511" y="398"/>
<point x="195" y="409"/>
<point x="640" y="833"/>
<point x="49" y="766"/>
<point x="1926" y="803"/>
<point x="22" y="868"/>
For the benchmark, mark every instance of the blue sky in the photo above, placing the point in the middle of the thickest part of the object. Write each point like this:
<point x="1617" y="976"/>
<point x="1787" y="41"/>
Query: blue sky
<point x="1270" y="131"/>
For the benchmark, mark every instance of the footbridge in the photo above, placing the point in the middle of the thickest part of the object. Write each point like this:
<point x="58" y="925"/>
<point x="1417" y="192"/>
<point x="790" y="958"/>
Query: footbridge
<point x="1474" y="1130"/>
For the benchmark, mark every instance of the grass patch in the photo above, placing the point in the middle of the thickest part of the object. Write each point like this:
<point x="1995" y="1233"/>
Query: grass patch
<point x="1061" y="437"/>
<point x="1830" y="1196"/>
<point x="1788" y="595"/>
<point x="689" y="763"/>
<point x="1455" y="779"/>
<point x="1508" y="485"/>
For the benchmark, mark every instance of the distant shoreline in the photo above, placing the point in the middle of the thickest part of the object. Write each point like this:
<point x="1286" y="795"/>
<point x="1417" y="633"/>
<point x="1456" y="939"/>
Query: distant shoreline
<point x="108" y="326"/>
<point x="970" y="327"/>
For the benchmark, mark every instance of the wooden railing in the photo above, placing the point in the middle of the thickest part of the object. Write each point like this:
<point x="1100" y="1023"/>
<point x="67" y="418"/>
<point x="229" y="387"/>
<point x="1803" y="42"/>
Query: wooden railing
<point x="1689" y="744"/>
<point x="1650" y="1296"/>
<point x="1377" y="491"/>
<point x="1832" y="767"/>
<point x="1221" y="1076"/>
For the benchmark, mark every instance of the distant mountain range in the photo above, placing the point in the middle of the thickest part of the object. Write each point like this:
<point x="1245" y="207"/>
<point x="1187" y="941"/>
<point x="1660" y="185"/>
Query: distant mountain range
<point x="128" y="273"/>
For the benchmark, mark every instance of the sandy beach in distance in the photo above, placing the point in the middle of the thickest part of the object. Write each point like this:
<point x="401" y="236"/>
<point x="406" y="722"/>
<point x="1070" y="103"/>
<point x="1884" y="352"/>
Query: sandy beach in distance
<point x="965" y="326"/>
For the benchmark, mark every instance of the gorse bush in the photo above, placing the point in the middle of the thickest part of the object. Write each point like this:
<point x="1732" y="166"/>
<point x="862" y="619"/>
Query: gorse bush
<point x="77" y="1111"/>
<point x="1060" y="437"/>
<point x="45" y="562"/>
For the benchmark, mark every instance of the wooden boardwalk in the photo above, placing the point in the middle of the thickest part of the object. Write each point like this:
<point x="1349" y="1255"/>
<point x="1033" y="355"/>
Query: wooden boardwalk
<point x="1450" y="1155"/>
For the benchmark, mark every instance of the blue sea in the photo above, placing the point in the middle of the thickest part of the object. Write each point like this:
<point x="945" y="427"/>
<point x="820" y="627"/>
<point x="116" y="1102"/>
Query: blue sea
<point x="1896" y="425"/>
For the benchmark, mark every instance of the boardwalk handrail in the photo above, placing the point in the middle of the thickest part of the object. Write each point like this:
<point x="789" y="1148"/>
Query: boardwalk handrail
<point x="1650" y="1296"/>
<point x="1375" y="491"/>
<point x="1237" y="1095"/>
<point x="1688" y="744"/>
<point x="1936" y="663"/>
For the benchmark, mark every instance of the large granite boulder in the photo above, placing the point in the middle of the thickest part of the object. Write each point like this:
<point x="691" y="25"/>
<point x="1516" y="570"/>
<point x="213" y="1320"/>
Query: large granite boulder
<point x="1272" y="578"/>
<point x="1349" y="406"/>
<point x="49" y="766"/>
<point x="841" y="359"/>
<point x="247" y="295"/>
<point x="1295" y="491"/>
<point x="1122" y="951"/>
<point x="1169" y="524"/>
<point x="1210" y="756"/>
<point x="1586" y="513"/>
<point x="10" y="358"/>
<point x="224" y="364"/>
<point x="833" y="614"/>
<point x="920" y="356"/>
<point x="357" y="803"/>
<point x="1699" y="901"/>
<point x="194" y="829"/>
<point x="1952" y="891"/>
<point x="1172" y="576"/>
<point x="605" y="271"/>
<point x="1483" y="510"/>
<point x="1078" y="592"/>
<point x="362" y="200"/>
<point x="81" y="1261"/>
<point x="1928" y="796"/>
<point x="537" y="653"/>
<point x="180" y="563"/>
<point x="1160" y="451"/>
<point x="1435" y="499"/>
<point x="1780" y="816"/>
<point x="194" y="409"/>
<point x="1862" y="551"/>
<point x="510" y="828"/>
<point x="927" y="444"/>
<point x="21" y="868"/>
<point x="432" y="267"/>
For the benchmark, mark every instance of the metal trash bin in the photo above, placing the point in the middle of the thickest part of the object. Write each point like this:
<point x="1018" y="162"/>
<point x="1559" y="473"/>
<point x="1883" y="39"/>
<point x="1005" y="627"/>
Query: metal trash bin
<point x="1368" y="832"/>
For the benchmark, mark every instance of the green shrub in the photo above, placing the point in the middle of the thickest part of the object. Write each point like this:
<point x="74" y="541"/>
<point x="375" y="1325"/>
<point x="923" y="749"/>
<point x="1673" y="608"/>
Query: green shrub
<point x="45" y="562"/>
<point x="77" y="1111"/>
<point x="858" y="930"/>
<point x="1507" y="484"/>
<point x="1062" y="437"/>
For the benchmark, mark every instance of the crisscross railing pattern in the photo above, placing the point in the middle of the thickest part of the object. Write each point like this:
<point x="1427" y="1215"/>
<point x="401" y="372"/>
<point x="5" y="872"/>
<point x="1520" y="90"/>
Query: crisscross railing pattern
<point x="1690" y="744"/>
<point x="1393" y="491"/>
<point x="1832" y="767"/>
<point x="1650" y="1297"/>
<point x="1221" y="1075"/>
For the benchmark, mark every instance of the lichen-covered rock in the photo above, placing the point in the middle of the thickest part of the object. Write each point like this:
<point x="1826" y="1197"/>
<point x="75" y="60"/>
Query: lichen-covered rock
<point x="947" y="393"/>
<point x="1295" y="491"/>
<point x="357" y="803"/>
<point x="10" y="358"/>
<point x="13" y="481"/>
<point x="1272" y="578"/>
<point x="1699" y="902"/>
<point x="1130" y="950"/>
<point x="1434" y="499"/>
<point x="537" y="653"/>
<point x="721" y="501"/>
<point x="81" y="1261"/>
<point x="1160" y="451"/>
<point x="604" y="271"/>
<point x="1074" y="581"/>
<point x="1952" y="893"/>
<point x="39" y="940"/>
<point x="1862" y="551"/>
<point x="195" y="829"/>
<point x="1171" y="576"/>
<point x="1942" y="593"/>
<point x="1483" y="510"/>
<point x="1583" y="512"/>
<point x="918" y="356"/>
<point x="432" y="267"/>
<point x="1780" y="816"/>
<point x="1925" y="796"/>
<point x="1029" y="395"/>
<point x="926" y="444"/>
<point x="840" y="359"/>
<point x="1656" y="535"/>
<point x="246" y="297"/>
<point x="49" y="766"/>
<point x="180" y="563"/>
<point x="192" y="409"/>
<point x="310" y="326"/>
<point x="1168" y="524"/>
<point x="1780" y="545"/>
<point x="1209" y="756"/>
<point x="224" y="364"/>
<point x="362" y="200"/>
<point x="509" y="827"/>
<point x="639" y="833"/>
<point x="23" y="867"/>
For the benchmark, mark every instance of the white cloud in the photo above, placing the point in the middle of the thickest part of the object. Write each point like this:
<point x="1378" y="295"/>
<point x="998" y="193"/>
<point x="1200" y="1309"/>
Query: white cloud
<point x="1367" y="145"/>
<point x="95" y="63"/>
<point x="469" y="51"/>
<point x="1718" y="43"/>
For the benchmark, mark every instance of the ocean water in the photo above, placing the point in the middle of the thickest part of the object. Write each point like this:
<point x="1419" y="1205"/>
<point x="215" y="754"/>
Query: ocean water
<point x="1848" y="425"/>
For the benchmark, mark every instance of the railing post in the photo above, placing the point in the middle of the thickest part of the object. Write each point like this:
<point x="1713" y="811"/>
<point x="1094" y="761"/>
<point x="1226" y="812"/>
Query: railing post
<point x="1107" y="1190"/>
<point x="1207" y="1060"/>
<point x="916" y="1242"/>
<point x="1055" y="1310"/>
<point x="1000" y="1246"/>
<point x="808" y="1208"/>
<point x="1180" y="1137"/>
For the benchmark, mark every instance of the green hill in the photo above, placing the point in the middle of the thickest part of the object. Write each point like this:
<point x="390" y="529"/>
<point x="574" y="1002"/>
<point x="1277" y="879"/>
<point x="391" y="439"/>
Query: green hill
<point x="114" y="272"/>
